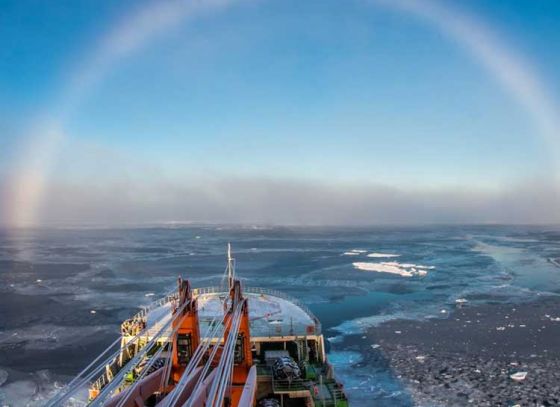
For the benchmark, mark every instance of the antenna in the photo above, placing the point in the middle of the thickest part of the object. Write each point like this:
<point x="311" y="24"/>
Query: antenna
<point x="230" y="266"/>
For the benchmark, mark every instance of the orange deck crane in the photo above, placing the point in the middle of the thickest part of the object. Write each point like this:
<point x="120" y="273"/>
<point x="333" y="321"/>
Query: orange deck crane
<point x="192" y="377"/>
<point x="187" y="336"/>
<point x="243" y="359"/>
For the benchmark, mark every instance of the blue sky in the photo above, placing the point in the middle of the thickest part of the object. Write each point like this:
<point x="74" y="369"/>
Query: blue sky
<point x="332" y="92"/>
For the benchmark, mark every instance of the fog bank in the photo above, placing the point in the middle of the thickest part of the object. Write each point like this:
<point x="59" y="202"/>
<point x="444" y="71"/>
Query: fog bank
<point x="277" y="201"/>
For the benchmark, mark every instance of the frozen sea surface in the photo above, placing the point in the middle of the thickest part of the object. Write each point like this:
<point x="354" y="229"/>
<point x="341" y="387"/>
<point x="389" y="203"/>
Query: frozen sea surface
<point x="52" y="280"/>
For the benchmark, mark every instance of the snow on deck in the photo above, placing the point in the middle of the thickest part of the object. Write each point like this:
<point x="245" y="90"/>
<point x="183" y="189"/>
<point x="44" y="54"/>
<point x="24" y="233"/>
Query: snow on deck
<point x="269" y="315"/>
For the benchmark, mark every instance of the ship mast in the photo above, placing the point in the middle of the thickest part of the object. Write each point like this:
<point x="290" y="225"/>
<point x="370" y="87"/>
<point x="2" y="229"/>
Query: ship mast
<point x="230" y="266"/>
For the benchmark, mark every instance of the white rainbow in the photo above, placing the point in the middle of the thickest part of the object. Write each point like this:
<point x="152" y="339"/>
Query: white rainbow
<point x="25" y="192"/>
<point x="511" y="70"/>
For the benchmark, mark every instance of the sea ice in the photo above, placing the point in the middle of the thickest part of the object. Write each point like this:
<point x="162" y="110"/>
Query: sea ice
<point x="21" y="392"/>
<point x="3" y="377"/>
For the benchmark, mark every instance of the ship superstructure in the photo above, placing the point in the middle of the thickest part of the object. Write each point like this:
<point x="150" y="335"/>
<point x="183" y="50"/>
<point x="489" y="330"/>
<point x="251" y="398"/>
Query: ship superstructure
<point x="215" y="346"/>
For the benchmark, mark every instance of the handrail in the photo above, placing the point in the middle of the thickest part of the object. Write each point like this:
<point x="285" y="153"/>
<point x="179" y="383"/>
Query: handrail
<point x="155" y="304"/>
<point x="141" y="315"/>
<point x="289" y="385"/>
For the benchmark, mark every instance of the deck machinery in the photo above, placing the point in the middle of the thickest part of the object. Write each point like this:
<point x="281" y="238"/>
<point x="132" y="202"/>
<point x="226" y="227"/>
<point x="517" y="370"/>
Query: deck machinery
<point x="213" y="346"/>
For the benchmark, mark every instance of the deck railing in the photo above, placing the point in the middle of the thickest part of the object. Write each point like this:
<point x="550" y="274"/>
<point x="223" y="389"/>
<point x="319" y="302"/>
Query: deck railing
<point x="264" y="291"/>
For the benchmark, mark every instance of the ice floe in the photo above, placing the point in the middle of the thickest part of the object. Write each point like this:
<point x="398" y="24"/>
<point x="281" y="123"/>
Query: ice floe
<point x="354" y="252"/>
<point x="382" y="255"/>
<point x="519" y="376"/>
<point x="393" y="267"/>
